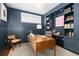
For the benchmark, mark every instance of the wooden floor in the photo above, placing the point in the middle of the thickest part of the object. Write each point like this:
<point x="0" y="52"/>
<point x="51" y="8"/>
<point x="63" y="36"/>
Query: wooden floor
<point x="6" y="51"/>
<point x="27" y="50"/>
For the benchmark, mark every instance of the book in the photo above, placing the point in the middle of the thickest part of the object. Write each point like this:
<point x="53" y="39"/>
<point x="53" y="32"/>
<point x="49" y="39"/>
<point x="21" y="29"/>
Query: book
<point x="65" y="26"/>
<point x="69" y="18"/>
<point x="71" y="26"/>
<point x="47" y="27"/>
<point x="70" y="34"/>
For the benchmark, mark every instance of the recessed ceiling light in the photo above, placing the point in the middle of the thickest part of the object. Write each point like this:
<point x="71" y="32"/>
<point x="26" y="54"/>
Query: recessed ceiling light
<point x="40" y="6"/>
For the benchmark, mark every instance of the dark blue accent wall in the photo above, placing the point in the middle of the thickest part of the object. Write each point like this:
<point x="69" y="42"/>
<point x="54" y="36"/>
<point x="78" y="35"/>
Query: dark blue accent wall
<point x="15" y="26"/>
<point x="43" y="25"/>
<point x="3" y="34"/>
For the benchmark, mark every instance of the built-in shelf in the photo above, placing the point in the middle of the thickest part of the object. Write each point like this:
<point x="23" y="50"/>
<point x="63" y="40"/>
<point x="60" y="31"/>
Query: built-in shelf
<point x="71" y="12"/>
<point x="68" y="29"/>
<point x="48" y="24"/>
<point x="69" y="20"/>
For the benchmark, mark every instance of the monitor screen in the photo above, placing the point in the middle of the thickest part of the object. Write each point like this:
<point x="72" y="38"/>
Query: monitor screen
<point x="59" y="21"/>
<point x="39" y="26"/>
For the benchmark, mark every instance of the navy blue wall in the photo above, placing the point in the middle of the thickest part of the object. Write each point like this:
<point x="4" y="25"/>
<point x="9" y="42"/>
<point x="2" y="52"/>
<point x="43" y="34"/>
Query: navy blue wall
<point x="20" y="29"/>
<point x="3" y="34"/>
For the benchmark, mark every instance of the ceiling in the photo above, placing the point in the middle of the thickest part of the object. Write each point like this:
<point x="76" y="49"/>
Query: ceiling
<point x="39" y="8"/>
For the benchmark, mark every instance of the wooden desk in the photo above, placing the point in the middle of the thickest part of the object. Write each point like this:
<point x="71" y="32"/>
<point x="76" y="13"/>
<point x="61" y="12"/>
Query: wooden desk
<point x="40" y="43"/>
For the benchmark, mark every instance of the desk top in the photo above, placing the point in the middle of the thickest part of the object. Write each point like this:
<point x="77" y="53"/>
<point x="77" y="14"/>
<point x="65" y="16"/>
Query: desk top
<point x="43" y="38"/>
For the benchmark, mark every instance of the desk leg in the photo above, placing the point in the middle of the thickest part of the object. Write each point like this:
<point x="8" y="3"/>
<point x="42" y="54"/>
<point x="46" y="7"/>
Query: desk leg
<point x="55" y="51"/>
<point x="35" y="53"/>
<point x="27" y="43"/>
<point x="20" y="43"/>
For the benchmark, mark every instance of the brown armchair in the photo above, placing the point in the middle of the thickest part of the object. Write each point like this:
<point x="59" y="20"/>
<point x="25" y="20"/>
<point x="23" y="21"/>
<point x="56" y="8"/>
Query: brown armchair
<point x="13" y="41"/>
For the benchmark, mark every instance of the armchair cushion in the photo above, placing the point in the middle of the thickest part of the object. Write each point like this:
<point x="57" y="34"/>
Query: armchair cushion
<point x="16" y="40"/>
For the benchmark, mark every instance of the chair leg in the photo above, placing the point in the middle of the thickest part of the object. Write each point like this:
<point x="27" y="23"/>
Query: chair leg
<point x="12" y="48"/>
<point x="12" y="45"/>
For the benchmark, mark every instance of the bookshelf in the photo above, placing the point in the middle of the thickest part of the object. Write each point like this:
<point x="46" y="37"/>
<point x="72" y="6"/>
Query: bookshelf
<point x="70" y="29"/>
<point x="69" y="20"/>
<point x="48" y="25"/>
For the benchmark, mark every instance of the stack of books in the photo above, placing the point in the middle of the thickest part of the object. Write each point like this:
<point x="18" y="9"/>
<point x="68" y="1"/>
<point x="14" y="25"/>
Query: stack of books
<point x="69" y="18"/>
<point x="67" y="10"/>
<point x="68" y="26"/>
<point x="70" y="34"/>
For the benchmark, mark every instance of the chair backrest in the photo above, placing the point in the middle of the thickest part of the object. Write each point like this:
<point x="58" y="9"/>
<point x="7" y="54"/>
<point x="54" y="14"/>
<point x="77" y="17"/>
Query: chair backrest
<point x="11" y="37"/>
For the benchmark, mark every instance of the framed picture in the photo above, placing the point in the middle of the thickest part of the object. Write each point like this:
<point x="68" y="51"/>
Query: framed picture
<point x="4" y="13"/>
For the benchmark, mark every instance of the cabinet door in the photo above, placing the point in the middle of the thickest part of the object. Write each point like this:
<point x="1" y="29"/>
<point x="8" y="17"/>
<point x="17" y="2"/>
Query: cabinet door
<point x="3" y="12"/>
<point x="69" y="43"/>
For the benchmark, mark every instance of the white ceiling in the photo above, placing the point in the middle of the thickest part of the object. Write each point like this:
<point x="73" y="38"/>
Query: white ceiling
<point x="39" y="8"/>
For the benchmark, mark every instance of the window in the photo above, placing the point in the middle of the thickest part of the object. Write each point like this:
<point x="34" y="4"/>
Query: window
<point x="30" y="18"/>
